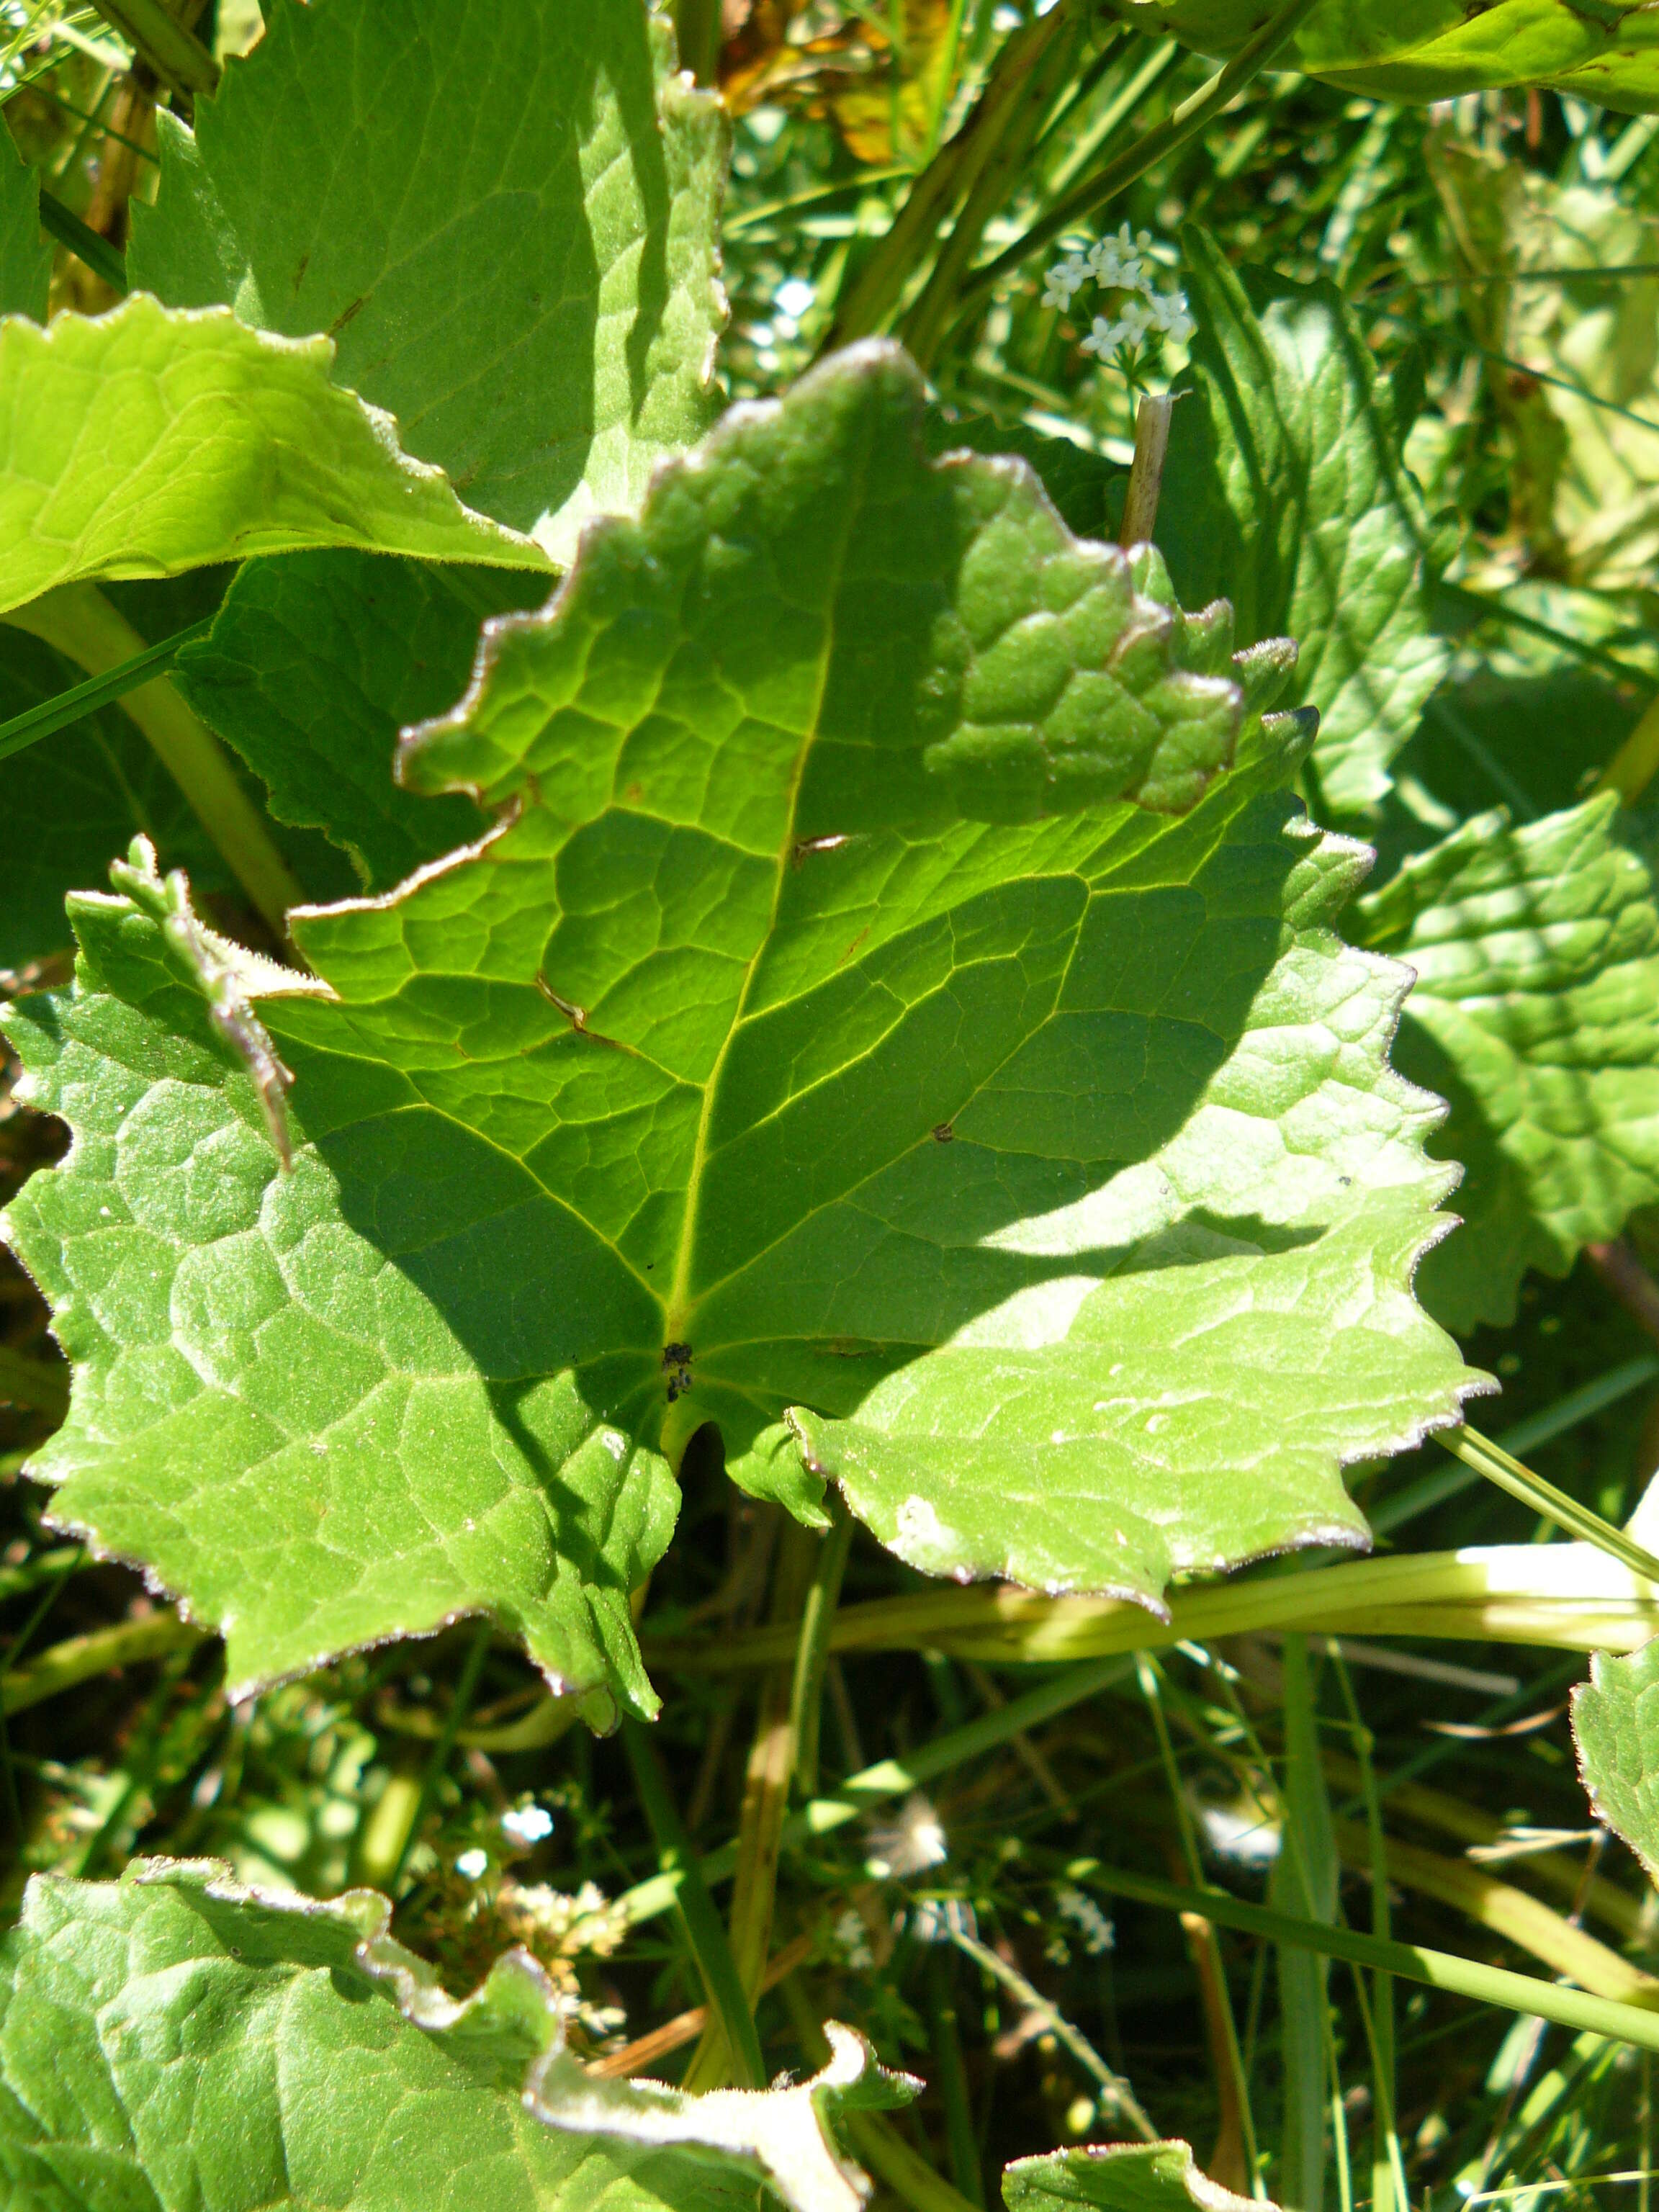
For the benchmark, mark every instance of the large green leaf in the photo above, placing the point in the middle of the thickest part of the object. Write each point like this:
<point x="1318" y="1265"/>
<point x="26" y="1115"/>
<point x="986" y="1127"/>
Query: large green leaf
<point x="25" y="256"/>
<point x="1536" y="1014"/>
<point x="1284" y="490"/>
<point x="169" y="2042"/>
<point x="534" y="298"/>
<point x="143" y="442"/>
<point x="1615" y="1724"/>
<point x="1426" y="50"/>
<point x="879" y="1003"/>
<point x="1157" y="2177"/>
<point x="314" y="664"/>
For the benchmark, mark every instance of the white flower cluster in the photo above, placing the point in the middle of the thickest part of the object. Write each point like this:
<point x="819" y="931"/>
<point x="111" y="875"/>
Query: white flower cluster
<point x="1121" y="264"/>
<point x="1086" y="1917"/>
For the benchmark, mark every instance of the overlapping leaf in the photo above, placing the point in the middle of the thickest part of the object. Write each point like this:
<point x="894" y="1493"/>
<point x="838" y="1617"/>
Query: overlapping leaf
<point x="1285" y="489"/>
<point x="1159" y="2177"/>
<point x="145" y="442"/>
<point x="1615" y="1724"/>
<point x="1536" y="1014"/>
<point x="532" y="293"/>
<point x="25" y="256"/>
<point x="1427" y="50"/>
<point x="170" y="2041"/>
<point x="315" y="663"/>
<point x="880" y="1004"/>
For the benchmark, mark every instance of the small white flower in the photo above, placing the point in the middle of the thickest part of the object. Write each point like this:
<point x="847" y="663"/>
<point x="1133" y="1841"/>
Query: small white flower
<point x="1065" y="278"/>
<point x="1135" y="321"/>
<point x="1170" y="315"/>
<point x="1103" y="337"/>
<point x="1086" y="1917"/>
<point x="853" y="1941"/>
<point x="472" y="1865"/>
<point x="527" y="1824"/>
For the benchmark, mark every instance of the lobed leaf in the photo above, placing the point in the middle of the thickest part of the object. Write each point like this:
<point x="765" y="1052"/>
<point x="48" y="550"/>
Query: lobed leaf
<point x="143" y="442"/>
<point x="1615" y="1726"/>
<point x="1429" y="49"/>
<point x="25" y="255"/>
<point x="535" y="298"/>
<point x="1285" y="488"/>
<point x="1157" y="2177"/>
<point x="1536" y="1014"/>
<point x="881" y="1022"/>
<point x="171" y="2041"/>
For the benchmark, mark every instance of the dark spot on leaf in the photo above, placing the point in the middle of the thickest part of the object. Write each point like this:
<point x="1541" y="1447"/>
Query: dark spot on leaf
<point x="346" y="316"/>
<point x="943" y="1133"/>
<point x="676" y="1365"/>
<point x="300" y="273"/>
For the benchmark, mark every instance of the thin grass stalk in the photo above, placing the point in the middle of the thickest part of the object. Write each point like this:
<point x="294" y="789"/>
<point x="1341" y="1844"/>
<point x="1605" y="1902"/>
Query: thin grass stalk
<point x="1091" y="193"/>
<point x="1303" y="1885"/>
<point x="1637" y="2025"/>
<point x="78" y="621"/>
<point x="687" y="1892"/>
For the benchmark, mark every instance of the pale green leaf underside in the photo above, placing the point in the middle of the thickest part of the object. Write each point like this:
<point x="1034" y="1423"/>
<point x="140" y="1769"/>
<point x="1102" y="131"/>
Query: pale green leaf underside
<point x="536" y="298"/>
<point x="1615" y="1724"/>
<point x="1157" y="2177"/>
<point x="25" y="256"/>
<point x="1285" y="490"/>
<point x="1426" y="50"/>
<point x="168" y="2042"/>
<point x="145" y="442"/>
<point x="1536" y="1014"/>
<point x="822" y="1029"/>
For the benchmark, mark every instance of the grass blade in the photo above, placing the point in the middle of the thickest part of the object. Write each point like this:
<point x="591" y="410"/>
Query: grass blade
<point x="688" y="1890"/>
<point x="56" y="713"/>
<point x="1413" y="1962"/>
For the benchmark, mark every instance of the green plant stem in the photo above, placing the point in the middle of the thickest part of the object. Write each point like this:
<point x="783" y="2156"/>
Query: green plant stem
<point x="1091" y="193"/>
<point x="767" y="1778"/>
<point x="1550" y="1594"/>
<point x="950" y="2074"/>
<point x="682" y="1885"/>
<point x="1541" y="1428"/>
<point x="952" y="172"/>
<point x="1499" y="1468"/>
<point x="78" y="621"/>
<point x="1411" y="1962"/>
<point x="891" y="1777"/>
<point x="64" y="1665"/>
<point x="697" y="34"/>
<point x="437" y="1765"/>
<point x="1114" y="2092"/>
<point x="1636" y="763"/>
<point x="1304" y="1884"/>
<point x="176" y="54"/>
<point x="812" y="1650"/>
<point x="100" y="256"/>
<point x="1386" y="2196"/>
<point x="67" y="707"/>
<point x="938" y="304"/>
